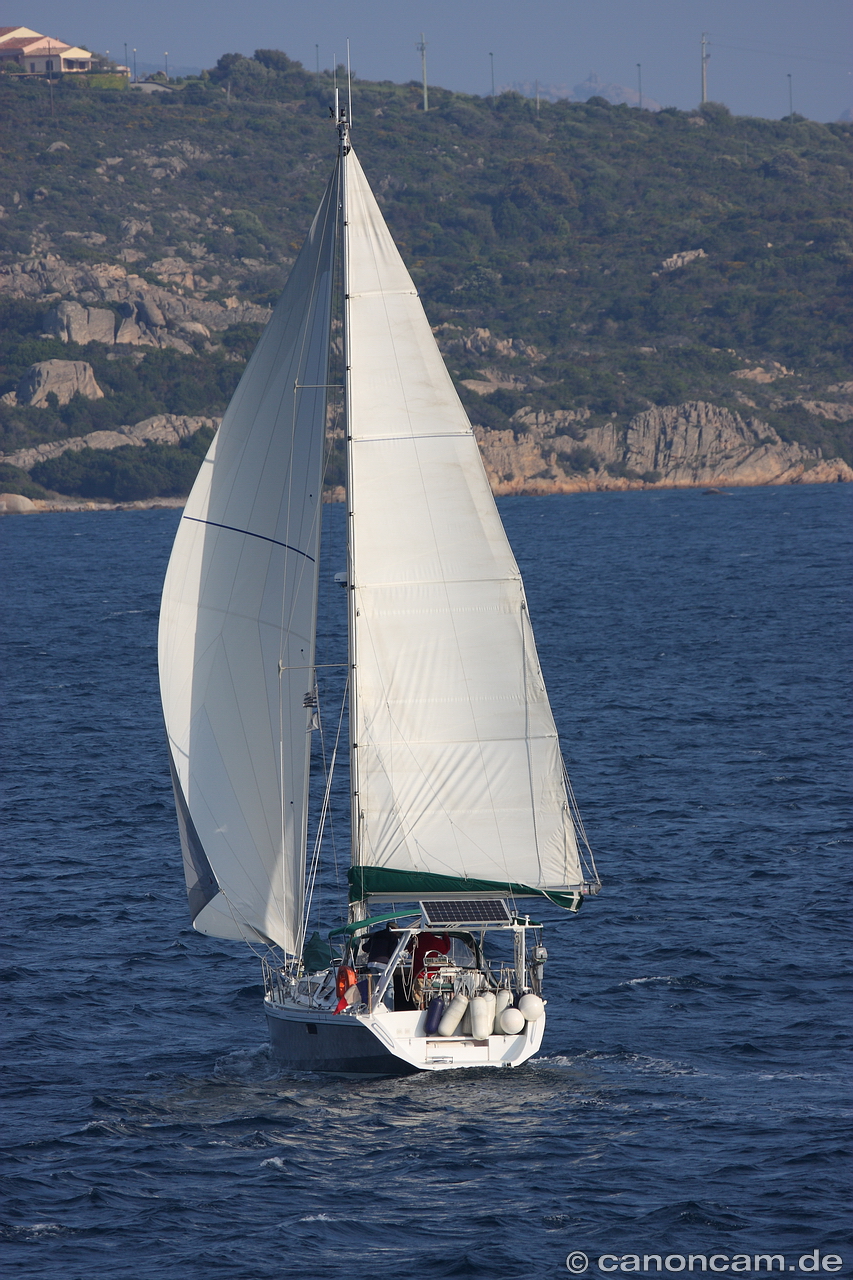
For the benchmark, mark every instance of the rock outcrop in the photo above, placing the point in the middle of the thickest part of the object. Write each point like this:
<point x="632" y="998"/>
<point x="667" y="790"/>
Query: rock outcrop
<point x="163" y="428"/>
<point x="829" y="410"/>
<point x="677" y="445"/>
<point x="62" y="378"/>
<point x="16" y="504"/>
<point x="698" y="443"/>
<point x="149" y="315"/>
<point x="763" y="373"/>
<point x="482" y="342"/>
<point x="682" y="259"/>
<point x="71" y="322"/>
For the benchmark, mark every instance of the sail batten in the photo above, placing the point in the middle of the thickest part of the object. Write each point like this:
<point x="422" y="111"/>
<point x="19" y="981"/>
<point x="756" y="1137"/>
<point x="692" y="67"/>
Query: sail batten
<point x="238" y="620"/>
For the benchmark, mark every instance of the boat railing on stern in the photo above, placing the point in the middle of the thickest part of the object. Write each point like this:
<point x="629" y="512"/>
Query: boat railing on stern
<point x="274" y="982"/>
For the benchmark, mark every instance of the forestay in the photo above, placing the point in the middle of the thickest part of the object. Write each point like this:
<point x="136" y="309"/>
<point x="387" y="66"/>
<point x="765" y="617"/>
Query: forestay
<point x="459" y="772"/>
<point x="238" y="621"/>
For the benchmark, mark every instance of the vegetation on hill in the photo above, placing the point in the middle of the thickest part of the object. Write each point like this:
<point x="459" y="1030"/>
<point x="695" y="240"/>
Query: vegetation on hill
<point x="126" y="474"/>
<point x="549" y="229"/>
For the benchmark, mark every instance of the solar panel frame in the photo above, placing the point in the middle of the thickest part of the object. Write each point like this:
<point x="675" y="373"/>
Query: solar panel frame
<point x="473" y="911"/>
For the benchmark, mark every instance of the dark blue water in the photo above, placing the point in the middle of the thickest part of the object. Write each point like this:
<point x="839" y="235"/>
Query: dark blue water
<point x="689" y="1098"/>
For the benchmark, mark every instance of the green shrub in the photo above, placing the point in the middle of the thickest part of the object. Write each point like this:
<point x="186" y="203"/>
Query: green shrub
<point x="581" y="459"/>
<point x="129" y="473"/>
<point x="14" y="480"/>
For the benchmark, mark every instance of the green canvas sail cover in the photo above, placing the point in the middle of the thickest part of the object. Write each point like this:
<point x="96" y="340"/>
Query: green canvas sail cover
<point x="365" y="881"/>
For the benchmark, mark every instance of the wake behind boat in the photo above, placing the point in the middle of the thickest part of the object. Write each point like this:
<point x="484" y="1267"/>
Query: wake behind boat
<point x="461" y="809"/>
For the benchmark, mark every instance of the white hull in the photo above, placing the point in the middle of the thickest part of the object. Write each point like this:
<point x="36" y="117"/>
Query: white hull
<point x="385" y="1043"/>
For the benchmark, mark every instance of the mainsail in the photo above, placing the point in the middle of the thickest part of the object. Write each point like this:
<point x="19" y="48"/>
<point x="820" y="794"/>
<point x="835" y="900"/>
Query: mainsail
<point x="457" y="772"/>
<point x="239" y="616"/>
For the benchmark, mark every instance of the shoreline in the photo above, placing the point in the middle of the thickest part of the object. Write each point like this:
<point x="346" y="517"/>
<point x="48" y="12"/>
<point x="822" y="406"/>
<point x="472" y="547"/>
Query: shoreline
<point x="16" y="504"/>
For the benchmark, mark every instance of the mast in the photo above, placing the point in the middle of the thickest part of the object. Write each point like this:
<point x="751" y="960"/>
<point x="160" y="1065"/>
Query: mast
<point x="343" y="124"/>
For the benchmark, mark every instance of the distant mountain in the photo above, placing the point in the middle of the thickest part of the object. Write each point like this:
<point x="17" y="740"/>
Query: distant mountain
<point x="595" y="87"/>
<point x="547" y="92"/>
<point x="592" y="87"/>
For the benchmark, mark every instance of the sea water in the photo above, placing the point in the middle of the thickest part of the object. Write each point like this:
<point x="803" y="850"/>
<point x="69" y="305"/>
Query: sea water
<point x="688" y="1099"/>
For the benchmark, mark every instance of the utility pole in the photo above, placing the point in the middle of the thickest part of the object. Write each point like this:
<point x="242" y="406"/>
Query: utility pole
<point x="492" y="59"/>
<point x="705" y="57"/>
<point x="790" y="98"/>
<point x="125" y="55"/>
<point x="135" y="80"/>
<point x="640" y="82"/>
<point x="537" y="97"/>
<point x="166" y="56"/>
<point x="50" y="74"/>
<point x="317" y="51"/>
<point x="421" y="48"/>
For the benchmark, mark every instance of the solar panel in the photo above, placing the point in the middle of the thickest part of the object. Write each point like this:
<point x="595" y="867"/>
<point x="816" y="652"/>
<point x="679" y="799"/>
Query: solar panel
<point x="470" y="911"/>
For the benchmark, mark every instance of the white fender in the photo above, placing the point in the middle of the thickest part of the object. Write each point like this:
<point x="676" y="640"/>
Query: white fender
<point x="512" y="1021"/>
<point x="502" y="1001"/>
<point x="482" y="1017"/>
<point x="532" y="1007"/>
<point x="453" y="1015"/>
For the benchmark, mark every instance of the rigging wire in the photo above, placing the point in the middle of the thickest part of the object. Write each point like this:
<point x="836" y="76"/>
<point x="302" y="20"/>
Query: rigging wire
<point x="588" y="862"/>
<point x="318" y="839"/>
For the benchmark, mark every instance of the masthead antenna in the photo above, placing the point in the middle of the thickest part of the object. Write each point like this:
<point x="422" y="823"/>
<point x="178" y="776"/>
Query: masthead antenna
<point x="340" y="113"/>
<point x="349" y="89"/>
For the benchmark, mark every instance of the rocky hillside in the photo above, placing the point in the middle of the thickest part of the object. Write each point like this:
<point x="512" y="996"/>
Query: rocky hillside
<point x="624" y="298"/>
<point x="676" y="446"/>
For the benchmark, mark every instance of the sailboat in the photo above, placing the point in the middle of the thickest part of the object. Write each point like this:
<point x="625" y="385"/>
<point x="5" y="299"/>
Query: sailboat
<point x="462" y="814"/>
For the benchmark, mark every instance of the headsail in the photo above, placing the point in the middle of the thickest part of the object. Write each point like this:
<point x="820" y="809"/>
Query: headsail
<point x="238" y="619"/>
<point x="459" y="773"/>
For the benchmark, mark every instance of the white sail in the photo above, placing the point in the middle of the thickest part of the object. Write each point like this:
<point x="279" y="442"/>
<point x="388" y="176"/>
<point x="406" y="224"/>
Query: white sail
<point x="458" y="766"/>
<point x="238" y="619"/>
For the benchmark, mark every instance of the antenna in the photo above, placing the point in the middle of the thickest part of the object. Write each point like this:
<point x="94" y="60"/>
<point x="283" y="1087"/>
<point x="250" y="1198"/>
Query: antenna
<point x="349" y="88"/>
<point x="705" y="58"/>
<point x="421" y="48"/>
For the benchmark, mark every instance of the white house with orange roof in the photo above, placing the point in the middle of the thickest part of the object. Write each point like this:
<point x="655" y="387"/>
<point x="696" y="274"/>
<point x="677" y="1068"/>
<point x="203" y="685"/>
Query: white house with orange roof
<point x="40" y="55"/>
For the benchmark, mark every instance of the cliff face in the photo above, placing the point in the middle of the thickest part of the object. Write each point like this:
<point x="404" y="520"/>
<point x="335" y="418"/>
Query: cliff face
<point x="676" y="445"/>
<point x="543" y="451"/>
